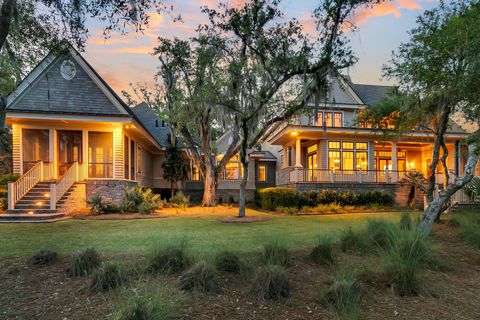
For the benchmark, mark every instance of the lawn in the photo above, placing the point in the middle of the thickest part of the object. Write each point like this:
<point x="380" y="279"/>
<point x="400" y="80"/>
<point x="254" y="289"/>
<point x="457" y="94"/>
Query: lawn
<point x="204" y="233"/>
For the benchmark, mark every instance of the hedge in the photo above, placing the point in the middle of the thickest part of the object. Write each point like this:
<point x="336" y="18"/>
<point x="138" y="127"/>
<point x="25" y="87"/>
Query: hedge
<point x="271" y="198"/>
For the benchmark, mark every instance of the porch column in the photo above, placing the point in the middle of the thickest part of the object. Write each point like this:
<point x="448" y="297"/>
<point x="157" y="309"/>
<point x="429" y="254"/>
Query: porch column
<point x="52" y="152"/>
<point x="394" y="162"/>
<point x="298" y="153"/>
<point x="85" y="154"/>
<point x="457" y="158"/>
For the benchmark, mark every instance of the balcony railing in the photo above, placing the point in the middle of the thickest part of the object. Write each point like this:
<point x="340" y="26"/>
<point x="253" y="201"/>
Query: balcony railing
<point x="303" y="175"/>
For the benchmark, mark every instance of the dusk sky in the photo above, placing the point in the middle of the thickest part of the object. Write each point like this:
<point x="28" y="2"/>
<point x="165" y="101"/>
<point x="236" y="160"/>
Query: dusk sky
<point x="125" y="59"/>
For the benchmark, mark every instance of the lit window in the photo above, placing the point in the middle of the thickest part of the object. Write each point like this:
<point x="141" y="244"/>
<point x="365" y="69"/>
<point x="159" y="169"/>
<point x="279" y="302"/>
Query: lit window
<point x="139" y="159"/>
<point x="361" y="145"/>
<point x="401" y="154"/>
<point x="361" y="160"/>
<point x="312" y="148"/>
<point x="347" y="145"/>
<point x="328" y="119"/>
<point x="333" y="145"/>
<point x="262" y="173"/>
<point x="232" y="170"/>
<point x="338" y="120"/>
<point x="319" y="119"/>
<point x="195" y="173"/>
<point x="334" y="160"/>
<point x="347" y="160"/>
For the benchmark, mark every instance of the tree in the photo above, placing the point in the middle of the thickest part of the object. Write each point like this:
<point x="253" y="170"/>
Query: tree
<point x="272" y="68"/>
<point x="437" y="71"/>
<point x="415" y="180"/>
<point x="175" y="167"/>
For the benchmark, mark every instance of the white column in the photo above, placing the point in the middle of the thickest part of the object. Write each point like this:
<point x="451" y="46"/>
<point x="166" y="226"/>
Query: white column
<point x="52" y="156"/>
<point x="85" y="153"/>
<point x="298" y="153"/>
<point x="394" y="162"/>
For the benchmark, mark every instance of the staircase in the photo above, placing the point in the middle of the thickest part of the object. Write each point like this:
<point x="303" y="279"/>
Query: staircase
<point x="35" y="206"/>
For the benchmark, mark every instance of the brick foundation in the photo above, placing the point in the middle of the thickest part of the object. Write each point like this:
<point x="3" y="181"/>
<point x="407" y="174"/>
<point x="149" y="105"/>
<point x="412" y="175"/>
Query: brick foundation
<point x="110" y="190"/>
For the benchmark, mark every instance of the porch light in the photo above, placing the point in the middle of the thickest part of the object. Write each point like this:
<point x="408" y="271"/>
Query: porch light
<point x="47" y="195"/>
<point x="127" y="127"/>
<point x="411" y="164"/>
<point x="294" y="133"/>
<point x="30" y="212"/>
<point x="39" y="203"/>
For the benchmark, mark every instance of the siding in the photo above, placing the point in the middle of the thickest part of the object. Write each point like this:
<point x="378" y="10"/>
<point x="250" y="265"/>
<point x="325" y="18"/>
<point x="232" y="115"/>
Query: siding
<point x="17" y="149"/>
<point x="118" y="154"/>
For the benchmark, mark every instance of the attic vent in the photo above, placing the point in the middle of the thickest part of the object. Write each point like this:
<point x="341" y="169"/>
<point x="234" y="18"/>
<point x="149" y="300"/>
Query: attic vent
<point x="156" y="123"/>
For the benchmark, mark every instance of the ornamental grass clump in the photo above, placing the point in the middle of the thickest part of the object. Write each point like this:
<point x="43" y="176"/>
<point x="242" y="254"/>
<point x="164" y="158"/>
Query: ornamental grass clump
<point x="276" y="253"/>
<point x="381" y="232"/>
<point x="405" y="221"/>
<point x="169" y="259"/>
<point x="43" y="257"/>
<point x="271" y="282"/>
<point x="354" y="241"/>
<point x="227" y="261"/>
<point x="323" y="252"/>
<point x="106" y="278"/>
<point x="202" y="277"/>
<point x="83" y="263"/>
<point x="344" y="296"/>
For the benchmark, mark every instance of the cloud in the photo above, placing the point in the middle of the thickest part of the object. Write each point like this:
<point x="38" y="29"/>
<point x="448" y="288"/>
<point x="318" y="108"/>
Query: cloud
<point x="386" y="8"/>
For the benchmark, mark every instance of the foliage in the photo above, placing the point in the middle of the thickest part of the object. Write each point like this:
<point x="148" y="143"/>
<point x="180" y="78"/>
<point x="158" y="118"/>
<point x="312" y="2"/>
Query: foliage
<point x="270" y="198"/>
<point x="381" y="232"/>
<point x="83" y="263"/>
<point x="227" y="261"/>
<point x="323" y="252"/>
<point x="276" y="253"/>
<point x="5" y="178"/>
<point x="405" y="221"/>
<point x="96" y="204"/>
<point x="468" y="227"/>
<point x="140" y="199"/>
<point x="175" y="166"/>
<point x="287" y="210"/>
<point x="106" y="278"/>
<point x="344" y="295"/>
<point x="3" y="203"/>
<point x="408" y="252"/>
<point x="472" y="189"/>
<point x="353" y="241"/>
<point x="179" y="200"/>
<point x="271" y="282"/>
<point x="416" y="181"/>
<point x="43" y="257"/>
<point x="170" y="259"/>
<point x="201" y="276"/>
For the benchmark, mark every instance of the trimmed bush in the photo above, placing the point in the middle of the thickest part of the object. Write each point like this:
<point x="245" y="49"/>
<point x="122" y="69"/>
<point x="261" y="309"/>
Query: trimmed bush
<point x="405" y="221"/>
<point x="83" y="263"/>
<point x="106" y="278"/>
<point x="228" y="262"/>
<point x="404" y="259"/>
<point x="270" y="198"/>
<point x="202" y="277"/>
<point x="271" y="282"/>
<point x="276" y="254"/>
<point x="323" y="251"/>
<point x="169" y="260"/>
<point x="43" y="257"/>
<point x="344" y="296"/>
<point x="353" y="241"/>
<point x="381" y="232"/>
<point x="179" y="200"/>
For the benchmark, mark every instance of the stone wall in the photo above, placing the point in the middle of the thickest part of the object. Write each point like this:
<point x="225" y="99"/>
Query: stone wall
<point x="110" y="190"/>
<point x="76" y="201"/>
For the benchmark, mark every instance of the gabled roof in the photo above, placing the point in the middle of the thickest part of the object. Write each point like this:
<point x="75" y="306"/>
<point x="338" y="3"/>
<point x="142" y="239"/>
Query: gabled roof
<point x="371" y="94"/>
<point x="152" y="123"/>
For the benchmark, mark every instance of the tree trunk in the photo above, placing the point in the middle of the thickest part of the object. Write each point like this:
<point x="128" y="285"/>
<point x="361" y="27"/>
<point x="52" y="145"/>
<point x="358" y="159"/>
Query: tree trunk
<point x="411" y="196"/>
<point x="437" y="205"/>
<point x="6" y="15"/>
<point x="446" y="178"/>
<point x="242" y="200"/>
<point x="210" y="186"/>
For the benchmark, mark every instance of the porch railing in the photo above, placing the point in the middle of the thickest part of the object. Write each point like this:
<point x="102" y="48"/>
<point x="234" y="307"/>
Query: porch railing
<point x="57" y="190"/>
<point x="304" y="175"/>
<point x="19" y="188"/>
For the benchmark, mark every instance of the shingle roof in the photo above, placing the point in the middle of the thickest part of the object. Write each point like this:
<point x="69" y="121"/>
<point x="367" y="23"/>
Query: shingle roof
<point x="371" y="94"/>
<point x="264" y="155"/>
<point x="151" y="122"/>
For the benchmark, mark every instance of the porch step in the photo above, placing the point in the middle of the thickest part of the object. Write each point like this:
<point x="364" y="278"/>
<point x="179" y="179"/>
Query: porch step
<point x="19" y="217"/>
<point x="32" y="211"/>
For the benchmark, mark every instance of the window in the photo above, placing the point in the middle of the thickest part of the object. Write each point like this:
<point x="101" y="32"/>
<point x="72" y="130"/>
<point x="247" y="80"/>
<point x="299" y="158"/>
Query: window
<point x="312" y="148"/>
<point x="195" y="173"/>
<point x="139" y="159"/>
<point x="347" y="155"/>
<point x="328" y="119"/>
<point x="319" y="119"/>
<point x="338" y="120"/>
<point x="232" y="169"/>
<point x="126" y="145"/>
<point x="35" y="147"/>
<point x="100" y="155"/>
<point x="262" y="172"/>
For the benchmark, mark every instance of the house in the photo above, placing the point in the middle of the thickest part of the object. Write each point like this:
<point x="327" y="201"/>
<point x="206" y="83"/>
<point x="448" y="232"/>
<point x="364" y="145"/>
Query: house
<point x="74" y="138"/>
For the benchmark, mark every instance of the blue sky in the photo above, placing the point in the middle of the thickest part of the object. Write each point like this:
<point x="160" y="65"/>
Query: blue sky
<point x="125" y="59"/>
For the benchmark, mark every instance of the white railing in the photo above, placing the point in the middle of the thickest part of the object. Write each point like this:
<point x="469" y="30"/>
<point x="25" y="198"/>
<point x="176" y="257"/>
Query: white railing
<point x="48" y="172"/>
<point x="57" y="190"/>
<point x="19" y="188"/>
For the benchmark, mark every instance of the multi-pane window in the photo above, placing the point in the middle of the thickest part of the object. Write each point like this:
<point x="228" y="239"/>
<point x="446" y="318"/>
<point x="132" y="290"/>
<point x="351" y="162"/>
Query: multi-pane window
<point x="329" y="119"/>
<point x="195" y="173"/>
<point x="35" y="147"/>
<point x="233" y="169"/>
<point x="262" y="173"/>
<point x="139" y="159"/>
<point x="347" y="155"/>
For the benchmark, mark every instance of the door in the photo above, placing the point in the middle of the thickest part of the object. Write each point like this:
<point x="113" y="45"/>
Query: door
<point x="312" y="165"/>
<point x="69" y="149"/>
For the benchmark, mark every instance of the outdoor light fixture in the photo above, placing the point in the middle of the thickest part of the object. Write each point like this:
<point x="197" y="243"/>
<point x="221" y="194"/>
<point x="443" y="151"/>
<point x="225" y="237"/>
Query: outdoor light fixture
<point x="294" y="133"/>
<point x="30" y="212"/>
<point x="47" y="195"/>
<point x="39" y="203"/>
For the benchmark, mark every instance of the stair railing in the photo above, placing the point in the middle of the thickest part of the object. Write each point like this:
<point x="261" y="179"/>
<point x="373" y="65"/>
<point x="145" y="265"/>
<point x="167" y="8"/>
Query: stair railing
<point x="57" y="190"/>
<point x="19" y="188"/>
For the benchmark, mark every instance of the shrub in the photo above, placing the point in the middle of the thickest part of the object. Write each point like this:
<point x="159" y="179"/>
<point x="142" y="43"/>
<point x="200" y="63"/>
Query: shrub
<point x="323" y="251"/>
<point x="381" y="232"/>
<point x="154" y="306"/>
<point x="276" y="254"/>
<point x="404" y="258"/>
<point x="3" y="203"/>
<point x="228" y="262"/>
<point x="44" y="257"/>
<point x="140" y="199"/>
<point x="179" y="200"/>
<point x="287" y="210"/>
<point x="6" y="178"/>
<point x="96" y="204"/>
<point x="170" y="260"/>
<point x="106" y="278"/>
<point x="270" y="198"/>
<point x="271" y="282"/>
<point x="353" y="241"/>
<point x="202" y="277"/>
<point x="307" y="199"/>
<point x="83" y="263"/>
<point x="344" y="296"/>
<point x="405" y="221"/>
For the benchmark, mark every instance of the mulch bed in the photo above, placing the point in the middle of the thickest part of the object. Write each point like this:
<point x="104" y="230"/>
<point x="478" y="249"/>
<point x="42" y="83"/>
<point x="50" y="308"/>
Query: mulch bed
<point x="48" y="293"/>
<point x="246" y="219"/>
<point x="116" y="216"/>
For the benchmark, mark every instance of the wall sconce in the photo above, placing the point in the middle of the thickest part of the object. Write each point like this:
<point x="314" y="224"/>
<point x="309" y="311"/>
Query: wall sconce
<point x="294" y="133"/>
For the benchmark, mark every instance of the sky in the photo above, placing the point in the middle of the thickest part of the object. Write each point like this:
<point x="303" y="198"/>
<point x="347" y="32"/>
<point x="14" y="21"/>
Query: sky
<point x="125" y="59"/>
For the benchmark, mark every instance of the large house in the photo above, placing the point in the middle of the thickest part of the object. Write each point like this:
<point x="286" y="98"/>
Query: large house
<point x="74" y="138"/>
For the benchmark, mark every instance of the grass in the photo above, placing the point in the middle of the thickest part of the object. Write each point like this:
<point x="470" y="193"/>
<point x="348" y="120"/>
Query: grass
<point x="467" y="225"/>
<point x="205" y="234"/>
